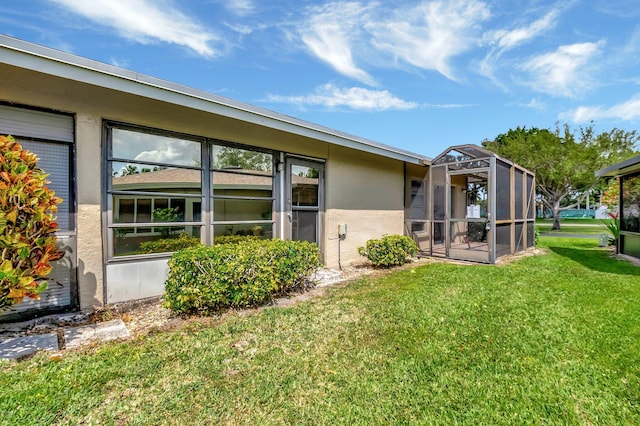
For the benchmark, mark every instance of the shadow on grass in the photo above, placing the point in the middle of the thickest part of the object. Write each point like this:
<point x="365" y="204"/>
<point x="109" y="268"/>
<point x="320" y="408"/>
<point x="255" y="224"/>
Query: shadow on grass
<point x="597" y="260"/>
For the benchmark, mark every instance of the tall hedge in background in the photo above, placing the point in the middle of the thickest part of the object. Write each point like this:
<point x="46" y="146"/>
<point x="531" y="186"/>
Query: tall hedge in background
<point x="27" y="225"/>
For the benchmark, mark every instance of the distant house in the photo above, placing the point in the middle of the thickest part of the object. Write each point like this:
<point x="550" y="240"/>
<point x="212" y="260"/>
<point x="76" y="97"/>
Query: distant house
<point x="137" y="159"/>
<point x="629" y="206"/>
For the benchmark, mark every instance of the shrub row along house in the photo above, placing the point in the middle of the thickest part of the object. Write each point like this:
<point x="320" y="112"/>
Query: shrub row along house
<point x="138" y="160"/>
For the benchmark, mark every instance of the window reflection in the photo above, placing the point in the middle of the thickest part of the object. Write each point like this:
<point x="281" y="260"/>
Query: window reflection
<point x="131" y="241"/>
<point x="231" y="158"/>
<point x="228" y="210"/>
<point x="630" y="209"/>
<point x="157" y="181"/>
<point x="242" y="185"/>
<point x="150" y="178"/>
<point x="304" y="186"/>
<point x="225" y="233"/>
<point x="146" y="147"/>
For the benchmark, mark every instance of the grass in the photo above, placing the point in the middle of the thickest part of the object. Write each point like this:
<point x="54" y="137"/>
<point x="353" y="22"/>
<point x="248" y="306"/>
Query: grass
<point x="548" y="339"/>
<point x="574" y="226"/>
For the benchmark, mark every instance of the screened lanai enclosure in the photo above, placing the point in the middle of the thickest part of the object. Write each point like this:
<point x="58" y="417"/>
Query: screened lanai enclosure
<point x="471" y="205"/>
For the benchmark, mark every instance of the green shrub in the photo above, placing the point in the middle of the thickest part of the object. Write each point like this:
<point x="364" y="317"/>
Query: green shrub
<point x="390" y="250"/>
<point x="613" y="226"/>
<point x="169" y="244"/>
<point x="27" y="225"/>
<point x="249" y="273"/>
<point x="234" y="239"/>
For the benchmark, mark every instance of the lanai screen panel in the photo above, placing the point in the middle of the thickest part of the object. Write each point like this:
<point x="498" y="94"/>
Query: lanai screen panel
<point x="518" y="188"/>
<point x="509" y="225"/>
<point x="503" y="190"/>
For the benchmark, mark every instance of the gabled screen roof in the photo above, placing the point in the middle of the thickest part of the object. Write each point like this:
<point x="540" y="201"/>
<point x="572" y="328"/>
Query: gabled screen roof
<point x="462" y="153"/>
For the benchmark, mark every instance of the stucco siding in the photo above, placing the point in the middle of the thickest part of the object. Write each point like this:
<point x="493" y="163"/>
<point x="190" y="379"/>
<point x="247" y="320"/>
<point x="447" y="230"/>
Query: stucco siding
<point x="361" y="226"/>
<point x="365" y="192"/>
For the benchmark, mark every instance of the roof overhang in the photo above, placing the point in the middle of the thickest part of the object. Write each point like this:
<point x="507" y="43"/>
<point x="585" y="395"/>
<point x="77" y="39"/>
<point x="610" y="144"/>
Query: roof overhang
<point x="42" y="59"/>
<point x="622" y="168"/>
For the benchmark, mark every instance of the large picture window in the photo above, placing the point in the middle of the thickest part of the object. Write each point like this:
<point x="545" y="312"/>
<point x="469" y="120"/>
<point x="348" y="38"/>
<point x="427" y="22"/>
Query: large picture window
<point x="155" y="189"/>
<point x="163" y="186"/>
<point x="242" y="192"/>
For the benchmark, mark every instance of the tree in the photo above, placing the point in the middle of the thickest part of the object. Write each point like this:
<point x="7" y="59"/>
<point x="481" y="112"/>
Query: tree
<point x="27" y="226"/>
<point x="241" y="158"/>
<point x="564" y="164"/>
<point x="611" y="195"/>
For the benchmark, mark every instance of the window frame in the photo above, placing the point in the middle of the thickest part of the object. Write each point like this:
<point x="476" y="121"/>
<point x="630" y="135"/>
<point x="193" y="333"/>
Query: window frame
<point x="206" y="195"/>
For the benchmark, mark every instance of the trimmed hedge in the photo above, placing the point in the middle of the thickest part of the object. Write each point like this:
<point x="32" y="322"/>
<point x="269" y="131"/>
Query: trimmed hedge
<point x="205" y="279"/>
<point x="174" y="243"/>
<point x="390" y="250"/>
<point x="183" y="240"/>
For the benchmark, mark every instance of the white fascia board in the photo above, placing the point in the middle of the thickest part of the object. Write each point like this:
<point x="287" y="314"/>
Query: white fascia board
<point x="42" y="59"/>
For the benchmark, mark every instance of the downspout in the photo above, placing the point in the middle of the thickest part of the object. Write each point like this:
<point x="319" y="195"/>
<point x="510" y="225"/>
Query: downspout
<point x="282" y="194"/>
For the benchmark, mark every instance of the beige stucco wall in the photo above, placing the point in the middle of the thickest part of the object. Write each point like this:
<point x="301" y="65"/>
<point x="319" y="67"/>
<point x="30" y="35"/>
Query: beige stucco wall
<point x="89" y="221"/>
<point x="364" y="191"/>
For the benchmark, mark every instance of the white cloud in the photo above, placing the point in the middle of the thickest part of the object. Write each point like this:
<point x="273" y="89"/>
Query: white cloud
<point x="330" y="31"/>
<point x="147" y="21"/>
<point x="508" y="39"/>
<point x="626" y="111"/>
<point x="239" y="7"/>
<point x="564" y="72"/>
<point x="505" y="40"/>
<point x="356" y="98"/>
<point x="431" y="34"/>
<point x="350" y="35"/>
<point x="534" y="104"/>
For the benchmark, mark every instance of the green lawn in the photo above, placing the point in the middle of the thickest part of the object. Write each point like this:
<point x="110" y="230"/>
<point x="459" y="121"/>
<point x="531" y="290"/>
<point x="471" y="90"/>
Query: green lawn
<point x="574" y="226"/>
<point x="548" y="339"/>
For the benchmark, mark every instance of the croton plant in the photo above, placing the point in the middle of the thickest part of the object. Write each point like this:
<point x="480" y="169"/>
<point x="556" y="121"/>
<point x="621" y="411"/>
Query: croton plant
<point x="27" y="224"/>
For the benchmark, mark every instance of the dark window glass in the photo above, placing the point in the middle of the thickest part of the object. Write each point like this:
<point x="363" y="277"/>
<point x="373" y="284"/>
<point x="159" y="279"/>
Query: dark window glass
<point x="226" y="210"/>
<point x="143" y="210"/>
<point x="305" y="226"/>
<point x="630" y="245"/>
<point x="630" y="208"/>
<point x="125" y="210"/>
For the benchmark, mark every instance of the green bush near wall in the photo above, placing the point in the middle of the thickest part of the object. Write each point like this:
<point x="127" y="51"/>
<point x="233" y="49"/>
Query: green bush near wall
<point x="390" y="250"/>
<point x="174" y="243"/>
<point x="183" y="240"/>
<point x="205" y="279"/>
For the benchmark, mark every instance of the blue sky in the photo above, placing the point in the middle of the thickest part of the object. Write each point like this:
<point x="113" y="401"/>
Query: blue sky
<point x="419" y="75"/>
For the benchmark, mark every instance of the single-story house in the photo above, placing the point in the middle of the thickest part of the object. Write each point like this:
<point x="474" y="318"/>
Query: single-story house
<point x="137" y="159"/>
<point x="628" y="172"/>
